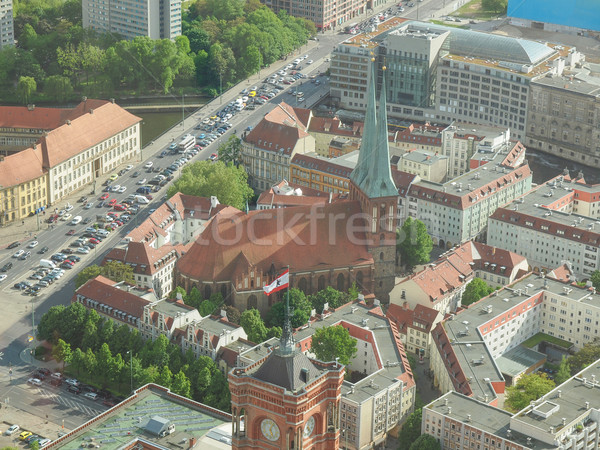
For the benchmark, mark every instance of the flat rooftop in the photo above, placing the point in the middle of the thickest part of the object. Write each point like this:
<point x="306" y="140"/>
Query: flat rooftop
<point x="125" y="422"/>
<point x="365" y="40"/>
<point x="517" y="360"/>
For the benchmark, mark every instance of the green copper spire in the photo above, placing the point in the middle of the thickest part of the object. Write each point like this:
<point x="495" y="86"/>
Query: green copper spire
<point x="379" y="182"/>
<point x="369" y="138"/>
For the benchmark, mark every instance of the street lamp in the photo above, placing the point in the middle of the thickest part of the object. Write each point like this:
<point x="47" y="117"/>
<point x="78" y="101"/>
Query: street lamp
<point x="183" y="109"/>
<point x="130" y="370"/>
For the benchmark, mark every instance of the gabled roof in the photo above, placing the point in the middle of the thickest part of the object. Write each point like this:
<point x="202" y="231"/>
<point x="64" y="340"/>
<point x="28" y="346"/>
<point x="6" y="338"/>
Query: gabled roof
<point x="405" y="317"/>
<point x="276" y="237"/>
<point x="144" y="258"/>
<point x="21" y="167"/>
<point x="104" y="290"/>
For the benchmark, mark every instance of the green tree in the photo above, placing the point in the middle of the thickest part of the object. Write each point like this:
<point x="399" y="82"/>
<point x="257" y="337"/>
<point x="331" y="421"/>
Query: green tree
<point x="58" y="88"/>
<point x="529" y="387"/>
<point x="86" y="274"/>
<point x="90" y="362"/>
<point x="411" y="430"/>
<point x="78" y="361"/>
<point x="206" y="308"/>
<point x="205" y="179"/>
<point x="426" y="442"/>
<point x="50" y="323"/>
<point x="181" y="384"/>
<point x="497" y="6"/>
<point x="329" y="295"/>
<point x="25" y="88"/>
<point x="165" y="377"/>
<point x="300" y="309"/>
<point x="413" y="243"/>
<point x="233" y="314"/>
<point x="118" y="271"/>
<point x="231" y="151"/>
<point x="333" y="342"/>
<point x="178" y="290"/>
<point x="563" y="373"/>
<point x="61" y="352"/>
<point x="253" y="325"/>
<point x="595" y="279"/>
<point x="589" y="353"/>
<point x="475" y="291"/>
<point x="105" y="362"/>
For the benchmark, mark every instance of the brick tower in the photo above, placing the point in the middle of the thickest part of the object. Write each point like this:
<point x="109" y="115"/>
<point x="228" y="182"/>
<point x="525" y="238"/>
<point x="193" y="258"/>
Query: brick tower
<point x="372" y="185"/>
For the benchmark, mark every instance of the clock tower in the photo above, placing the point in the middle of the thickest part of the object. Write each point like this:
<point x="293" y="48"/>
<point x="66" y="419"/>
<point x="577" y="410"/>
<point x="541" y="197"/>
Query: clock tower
<point x="286" y="401"/>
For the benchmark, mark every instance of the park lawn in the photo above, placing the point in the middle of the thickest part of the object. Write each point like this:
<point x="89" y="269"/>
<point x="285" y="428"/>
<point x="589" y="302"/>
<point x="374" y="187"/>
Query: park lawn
<point x="536" y="339"/>
<point x="441" y="22"/>
<point x="474" y="10"/>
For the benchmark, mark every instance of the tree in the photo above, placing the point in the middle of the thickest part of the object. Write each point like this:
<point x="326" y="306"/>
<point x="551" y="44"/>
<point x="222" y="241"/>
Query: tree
<point x="165" y="377"/>
<point x="300" y="309"/>
<point x="475" y="291"/>
<point x="411" y="430"/>
<point x="563" y="373"/>
<point x="329" y="295"/>
<point x="595" y="279"/>
<point x="589" y="353"/>
<point x="49" y="323"/>
<point x="497" y="6"/>
<point x="253" y="325"/>
<point x="61" y="352"/>
<point x="105" y="362"/>
<point x="529" y="387"/>
<point x="118" y="271"/>
<point x="426" y="442"/>
<point x="178" y="290"/>
<point x="86" y="274"/>
<point x="58" y="88"/>
<point x="231" y="151"/>
<point x="329" y="343"/>
<point x="413" y="243"/>
<point x="181" y="384"/>
<point x="205" y="179"/>
<point x="25" y="88"/>
<point x="233" y="314"/>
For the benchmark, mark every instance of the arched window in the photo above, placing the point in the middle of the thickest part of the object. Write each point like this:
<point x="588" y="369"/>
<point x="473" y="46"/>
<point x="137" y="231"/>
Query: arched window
<point x="340" y="282"/>
<point x="302" y="284"/>
<point x="207" y="292"/>
<point x="359" y="281"/>
<point x="321" y="283"/>
<point x="252" y="302"/>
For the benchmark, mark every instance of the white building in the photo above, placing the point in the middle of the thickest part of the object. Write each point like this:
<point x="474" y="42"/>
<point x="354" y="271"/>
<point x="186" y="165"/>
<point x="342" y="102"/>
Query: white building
<point x="7" y="28"/>
<point x="132" y="18"/>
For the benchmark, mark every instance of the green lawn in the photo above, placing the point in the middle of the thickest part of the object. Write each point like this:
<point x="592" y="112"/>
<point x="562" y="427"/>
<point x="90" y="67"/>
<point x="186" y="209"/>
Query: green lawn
<point x="441" y="22"/>
<point x="535" y="340"/>
<point x="474" y="10"/>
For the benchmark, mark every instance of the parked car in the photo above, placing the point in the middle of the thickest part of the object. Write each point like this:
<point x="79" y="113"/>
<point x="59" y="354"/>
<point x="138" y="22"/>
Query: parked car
<point x="6" y="267"/>
<point x="74" y="389"/>
<point x="24" y="435"/>
<point x="12" y="430"/>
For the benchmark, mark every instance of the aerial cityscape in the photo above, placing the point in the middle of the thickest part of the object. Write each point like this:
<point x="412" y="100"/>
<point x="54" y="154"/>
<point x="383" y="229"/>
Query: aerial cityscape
<point x="280" y="224"/>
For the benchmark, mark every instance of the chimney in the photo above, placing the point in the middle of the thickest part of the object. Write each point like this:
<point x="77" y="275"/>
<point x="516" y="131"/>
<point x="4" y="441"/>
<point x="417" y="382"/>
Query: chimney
<point x="449" y="410"/>
<point x="30" y="107"/>
<point x="405" y="306"/>
<point x="192" y="443"/>
<point x="112" y="100"/>
<point x="213" y="201"/>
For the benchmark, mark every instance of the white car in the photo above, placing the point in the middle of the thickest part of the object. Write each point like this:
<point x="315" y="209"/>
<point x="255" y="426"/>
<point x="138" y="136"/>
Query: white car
<point x="62" y="212"/>
<point x="83" y="250"/>
<point x="76" y="220"/>
<point x="69" y="207"/>
<point x="66" y="217"/>
<point x="88" y="205"/>
<point x="3" y="277"/>
<point x="122" y="189"/>
<point x="148" y="164"/>
<point x="129" y="167"/>
<point x="18" y="253"/>
<point x="34" y="381"/>
<point x="115" y="188"/>
<point x="310" y="61"/>
<point x="91" y="395"/>
<point x="141" y="182"/>
<point x="12" y="430"/>
<point x="33" y="244"/>
<point x="72" y="382"/>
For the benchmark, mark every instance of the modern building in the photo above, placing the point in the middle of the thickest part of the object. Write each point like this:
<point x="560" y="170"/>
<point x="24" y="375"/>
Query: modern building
<point x="564" y="115"/>
<point x="154" y="246"/>
<point x="441" y="74"/>
<point x="7" y="28"/>
<point x="552" y="16"/>
<point x="326" y="14"/>
<point x="338" y="244"/>
<point x="72" y="149"/>
<point x="268" y="149"/>
<point x="553" y="224"/>
<point x="323" y="174"/>
<point x="428" y="166"/>
<point x="132" y="18"/>
<point x="457" y="211"/>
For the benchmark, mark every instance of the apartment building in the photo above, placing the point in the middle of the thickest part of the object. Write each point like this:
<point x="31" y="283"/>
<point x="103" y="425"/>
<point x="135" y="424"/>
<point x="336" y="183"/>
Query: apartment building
<point x="326" y="14"/>
<point x="428" y="166"/>
<point x="417" y="136"/>
<point x="269" y="148"/>
<point x="7" y="28"/>
<point x="554" y="223"/>
<point x="457" y="211"/>
<point x="454" y="74"/>
<point x="326" y="130"/>
<point x="132" y="18"/>
<point x="564" y="115"/>
<point x="414" y="326"/>
<point x="323" y="174"/>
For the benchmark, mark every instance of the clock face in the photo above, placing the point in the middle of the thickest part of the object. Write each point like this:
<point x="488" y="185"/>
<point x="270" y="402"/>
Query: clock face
<point x="309" y="427"/>
<point x="269" y="429"/>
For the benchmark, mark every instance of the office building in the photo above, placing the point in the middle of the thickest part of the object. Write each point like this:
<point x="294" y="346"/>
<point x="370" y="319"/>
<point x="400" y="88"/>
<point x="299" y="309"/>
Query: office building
<point x="7" y="28"/>
<point x="156" y="19"/>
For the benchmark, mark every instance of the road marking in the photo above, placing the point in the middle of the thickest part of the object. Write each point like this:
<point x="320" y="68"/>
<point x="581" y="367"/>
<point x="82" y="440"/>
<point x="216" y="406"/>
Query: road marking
<point x="66" y="401"/>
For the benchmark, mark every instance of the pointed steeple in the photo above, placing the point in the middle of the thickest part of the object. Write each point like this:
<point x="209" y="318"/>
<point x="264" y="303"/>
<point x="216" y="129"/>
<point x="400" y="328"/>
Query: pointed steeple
<point x="369" y="138"/>
<point x="379" y="179"/>
<point x="287" y="344"/>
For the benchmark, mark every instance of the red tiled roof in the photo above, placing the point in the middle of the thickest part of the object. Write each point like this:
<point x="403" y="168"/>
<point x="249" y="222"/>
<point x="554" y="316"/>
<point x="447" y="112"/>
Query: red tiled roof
<point x="438" y="280"/>
<point x="321" y="164"/>
<point x="405" y="317"/>
<point x="561" y="273"/>
<point x="36" y="118"/>
<point x="334" y="126"/>
<point x="21" y="167"/>
<point x="402" y="180"/>
<point x="302" y="237"/>
<point x="103" y="290"/>
<point x="143" y="257"/>
<point x="91" y="122"/>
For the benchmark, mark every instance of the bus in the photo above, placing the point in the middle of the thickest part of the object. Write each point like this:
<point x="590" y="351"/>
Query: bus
<point x="187" y="143"/>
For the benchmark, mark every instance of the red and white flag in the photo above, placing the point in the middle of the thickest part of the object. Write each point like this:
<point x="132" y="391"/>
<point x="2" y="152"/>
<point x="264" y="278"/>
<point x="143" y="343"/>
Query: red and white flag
<point x="280" y="283"/>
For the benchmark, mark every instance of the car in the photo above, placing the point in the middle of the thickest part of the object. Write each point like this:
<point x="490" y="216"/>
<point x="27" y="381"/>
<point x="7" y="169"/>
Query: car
<point x="52" y="218"/>
<point x="6" y="267"/>
<point x="120" y="207"/>
<point x="310" y="61"/>
<point x="70" y="232"/>
<point x="36" y="276"/>
<point x="43" y="250"/>
<point x="22" y="285"/>
<point x="84" y="250"/>
<point x="112" y="202"/>
<point x="94" y="241"/>
<point x="213" y="157"/>
<point x="24" y="256"/>
<point x="18" y="254"/>
<point x="122" y="189"/>
<point x="33" y="244"/>
<point x="42" y="283"/>
<point x="115" y="188"/>
<point x="69" y="207"/>
<point x="74" y="389"/>
<point x="60" y="257"/>
<point x="113" y="177"/>
<point x="148" y="165"/>
<point x="43" y="442"/>
<point x="141" y="182"/>
<point x="3" y="277"/>
<point x="73" y="258"/>
<point x="82" y="199"/>
<point x="67" y="264"/>
<point x="129" y="167"/>
<point x="91" y="395"/>
<point x="34" y="381"/>
<point x="72" y="382"/>
<point x="104" y="196"/>
<point x="12" y="430"/>
<point x="24" y="435"/>
<point x="33" y="437"/>
<point x="66" y="217"/>
<point x="88" y="205"/>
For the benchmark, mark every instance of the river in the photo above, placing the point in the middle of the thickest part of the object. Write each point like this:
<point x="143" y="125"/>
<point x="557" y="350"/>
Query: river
<point x="156" y="123"/>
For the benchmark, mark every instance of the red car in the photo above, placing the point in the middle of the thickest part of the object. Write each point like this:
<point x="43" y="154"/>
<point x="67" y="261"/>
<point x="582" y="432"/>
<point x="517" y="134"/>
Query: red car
<point x="148" y="196"/>
<point x="120" y="207"/>
<point x="264" y="97"/>
<point x="70" y="232"/>
<point x="94" y="241"/>
<point x="112" y="202"/>
<point x="112" y="214"/>
<point x="213" y="157"/>
<point x="104" y="196"/>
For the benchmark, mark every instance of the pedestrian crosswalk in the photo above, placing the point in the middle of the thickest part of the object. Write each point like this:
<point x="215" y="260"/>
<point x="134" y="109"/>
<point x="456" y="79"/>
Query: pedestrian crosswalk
<point x="70" y="401"/>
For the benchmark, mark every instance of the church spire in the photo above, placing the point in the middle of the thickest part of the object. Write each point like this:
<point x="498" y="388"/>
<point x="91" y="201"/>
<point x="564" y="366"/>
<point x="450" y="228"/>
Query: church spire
<point x="369" y="137"/>
<point x="287" y="345"/>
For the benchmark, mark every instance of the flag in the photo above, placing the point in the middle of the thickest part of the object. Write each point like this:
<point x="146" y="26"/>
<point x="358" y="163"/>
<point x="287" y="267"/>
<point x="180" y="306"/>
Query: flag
<point x="280" y="283"/>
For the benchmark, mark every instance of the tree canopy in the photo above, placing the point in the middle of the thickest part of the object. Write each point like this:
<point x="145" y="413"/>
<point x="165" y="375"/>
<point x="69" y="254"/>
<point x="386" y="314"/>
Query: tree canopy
<point x="589" y="353"/>
<point x="413" y="243"/>
<point x="300" y="309"/>
<point x="475" y="290"/>
<point x="529" y="387"/>
<point x="205" y="179"/>
<point x="333" y="342"/>
<point x="231" y="151"/>
<point x="411" y="430"/>
<point x="426" y="442"/>
<point x="115" y="270"/>
<point x="564" y="371"/>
